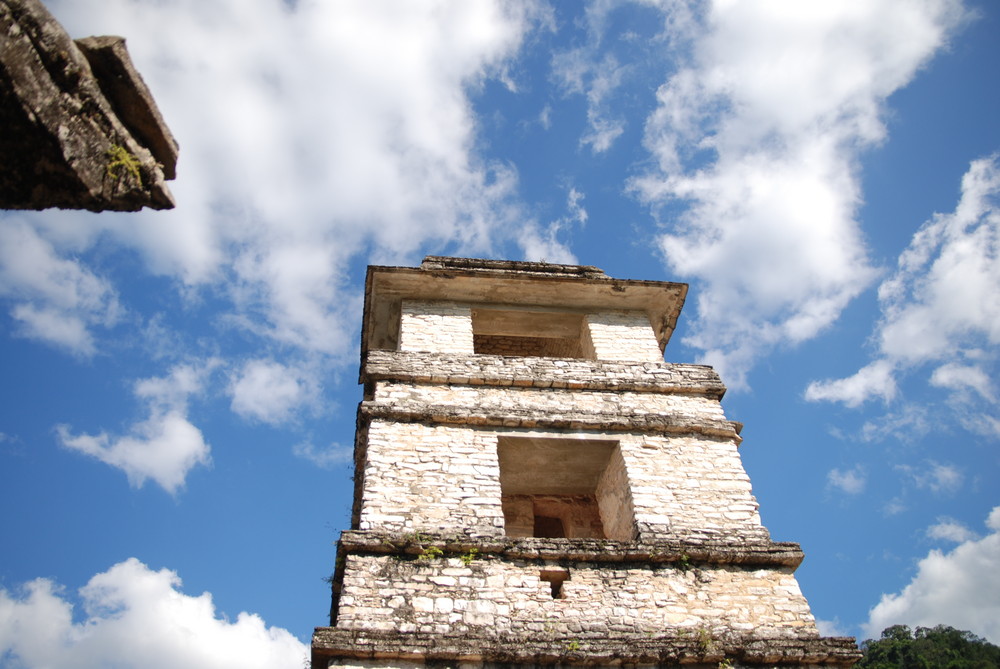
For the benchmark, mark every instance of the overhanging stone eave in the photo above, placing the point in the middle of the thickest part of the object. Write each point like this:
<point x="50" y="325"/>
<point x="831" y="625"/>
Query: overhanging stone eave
<point x="387" y="286"/>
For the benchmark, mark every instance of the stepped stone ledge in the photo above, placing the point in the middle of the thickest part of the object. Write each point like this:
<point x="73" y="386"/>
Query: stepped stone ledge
<point x="695" y="649"/>
<point x="689" y="551"/>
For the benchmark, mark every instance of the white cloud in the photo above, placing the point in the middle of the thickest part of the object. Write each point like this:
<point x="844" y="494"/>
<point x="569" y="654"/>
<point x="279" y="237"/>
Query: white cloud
<point x="270" y="392"/>
<point x="936" y="477"/>
<point x="949" y="529"/>
<point x="830" y="627"/>
<point x="543" y="244"/>
<point x="757" y="141"/>
<point x="597" y="80"/>
<point x="910" y="419"/>
<point x="849" y="481"/>
<point x="893" y="507"/>
<point x="135" y="617"/>
<point x="940" y="308"/>
<point x="960" y="588"/>
<point x="165" y="446"/>
<point x="310" y="134"/>
<point x="874" y="380"/>
<point x="964" y="377"/>
<point x="325" y="458"/>
<point x="56" y="300"/>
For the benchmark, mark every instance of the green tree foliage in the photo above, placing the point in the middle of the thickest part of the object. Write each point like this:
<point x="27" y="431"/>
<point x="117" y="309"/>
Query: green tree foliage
<point x="940" y="647"/>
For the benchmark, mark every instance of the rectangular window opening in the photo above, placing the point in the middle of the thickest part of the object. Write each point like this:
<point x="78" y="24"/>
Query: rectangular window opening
<point x="526" y="333"/>
<point x="555" y="578"/>
<point x="564" y="488"/>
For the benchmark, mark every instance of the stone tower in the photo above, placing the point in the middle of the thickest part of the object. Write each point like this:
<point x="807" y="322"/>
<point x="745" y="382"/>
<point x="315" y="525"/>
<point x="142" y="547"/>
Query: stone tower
<point x="535" y="486"/>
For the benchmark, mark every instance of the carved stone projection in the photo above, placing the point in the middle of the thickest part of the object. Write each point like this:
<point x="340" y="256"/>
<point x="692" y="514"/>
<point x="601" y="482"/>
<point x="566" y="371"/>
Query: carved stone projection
<point x="535" y="486"/>
<point x="78" y="127"/>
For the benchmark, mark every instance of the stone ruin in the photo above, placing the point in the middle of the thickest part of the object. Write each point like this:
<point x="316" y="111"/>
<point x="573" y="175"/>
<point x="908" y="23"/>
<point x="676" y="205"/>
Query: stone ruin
<point x="536" y="487"/>
<point x="80" y="128"/>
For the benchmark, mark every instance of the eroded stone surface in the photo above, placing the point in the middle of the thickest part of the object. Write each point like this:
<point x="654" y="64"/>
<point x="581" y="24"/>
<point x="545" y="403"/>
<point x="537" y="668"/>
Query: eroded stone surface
<point x="80" y="128"/>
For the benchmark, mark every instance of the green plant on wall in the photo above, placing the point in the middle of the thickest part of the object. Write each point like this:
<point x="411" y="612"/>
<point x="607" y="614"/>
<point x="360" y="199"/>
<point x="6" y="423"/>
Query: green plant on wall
<point x="469" y="556"/>
<point x="122" y="163"/>
<point x="430" y="553"/>
<point x="704" y="640"/>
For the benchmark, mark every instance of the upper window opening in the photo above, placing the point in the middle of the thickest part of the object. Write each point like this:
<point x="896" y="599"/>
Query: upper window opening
<point x="530" y="333"/>
<point x="564" y="488"/>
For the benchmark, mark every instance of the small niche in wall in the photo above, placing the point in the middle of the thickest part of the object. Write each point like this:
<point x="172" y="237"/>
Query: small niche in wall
<point x="528" y="333"/>
<point x="555" y="578"/>
<point x="563" y="488"/>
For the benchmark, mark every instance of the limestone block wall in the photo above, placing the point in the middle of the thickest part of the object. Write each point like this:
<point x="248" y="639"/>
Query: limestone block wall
<point x="442" y="596"/>
<point x="427" y="478"/>
<point x="691" y="486"/>
<point x="446" y="480"/>
<point x="439" y="327"/>
<point x="623" y="335"/>
<point x="549" y="347"/>
<point x="614" y="497"/>
<point x="447" y="327"/>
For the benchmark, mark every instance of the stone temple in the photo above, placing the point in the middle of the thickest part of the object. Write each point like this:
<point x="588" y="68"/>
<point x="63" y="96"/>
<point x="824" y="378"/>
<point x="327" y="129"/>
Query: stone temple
<point x="535" y="486"/>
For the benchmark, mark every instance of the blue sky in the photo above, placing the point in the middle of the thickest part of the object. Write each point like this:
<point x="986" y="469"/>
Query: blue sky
<point x="179" y="388"/>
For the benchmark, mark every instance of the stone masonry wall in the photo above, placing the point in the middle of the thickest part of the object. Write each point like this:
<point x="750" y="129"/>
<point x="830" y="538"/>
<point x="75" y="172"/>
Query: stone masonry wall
<point x="442" y="327"/>
<point x="446" y="480"/>
<point x="623" y="335"/>
<point x="445" y="595"/>
<point x="446" y="327"/>
<point x="549" y="347"/>
<point x="494" y="370"/>
<point x="614" y="497"/>
<point x="431" y="479"/>
<point x="485" y="399"/>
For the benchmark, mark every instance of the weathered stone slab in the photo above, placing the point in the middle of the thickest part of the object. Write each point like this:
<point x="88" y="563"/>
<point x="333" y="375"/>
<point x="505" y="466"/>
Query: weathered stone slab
<point x="695" y="650"/>
<point x="76" y="135"/>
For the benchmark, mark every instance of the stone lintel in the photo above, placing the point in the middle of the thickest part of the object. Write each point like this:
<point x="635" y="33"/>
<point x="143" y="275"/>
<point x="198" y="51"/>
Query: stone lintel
<point x="684" y="553"/>
<point x="497" y="370"/>
<point x="698" y="648"/>
<point x="516" y="418"/>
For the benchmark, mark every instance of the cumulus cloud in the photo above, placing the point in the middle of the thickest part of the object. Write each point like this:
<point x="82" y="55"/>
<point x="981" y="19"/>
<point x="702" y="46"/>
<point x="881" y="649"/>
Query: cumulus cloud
<point x="576" y="73"/>
<point x="960" y="588"/>
<point x="166" y="445"/>
<point x="756" y="142"/>
<point x="55" y="299"/>
<point x="269" y="391"/>
<point x="874" y="380"/>
<point x="310" y="133"/>
<point x="325" y="458"/>
<point x="830" y="627"/>
<point x="543" y="244"/>
<point x="940" y="309"/>
<point x="949" y="529"/>
<point x="848" y="481"/>
<point x="135" y="617"/>
<point x="934" y="476"/>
